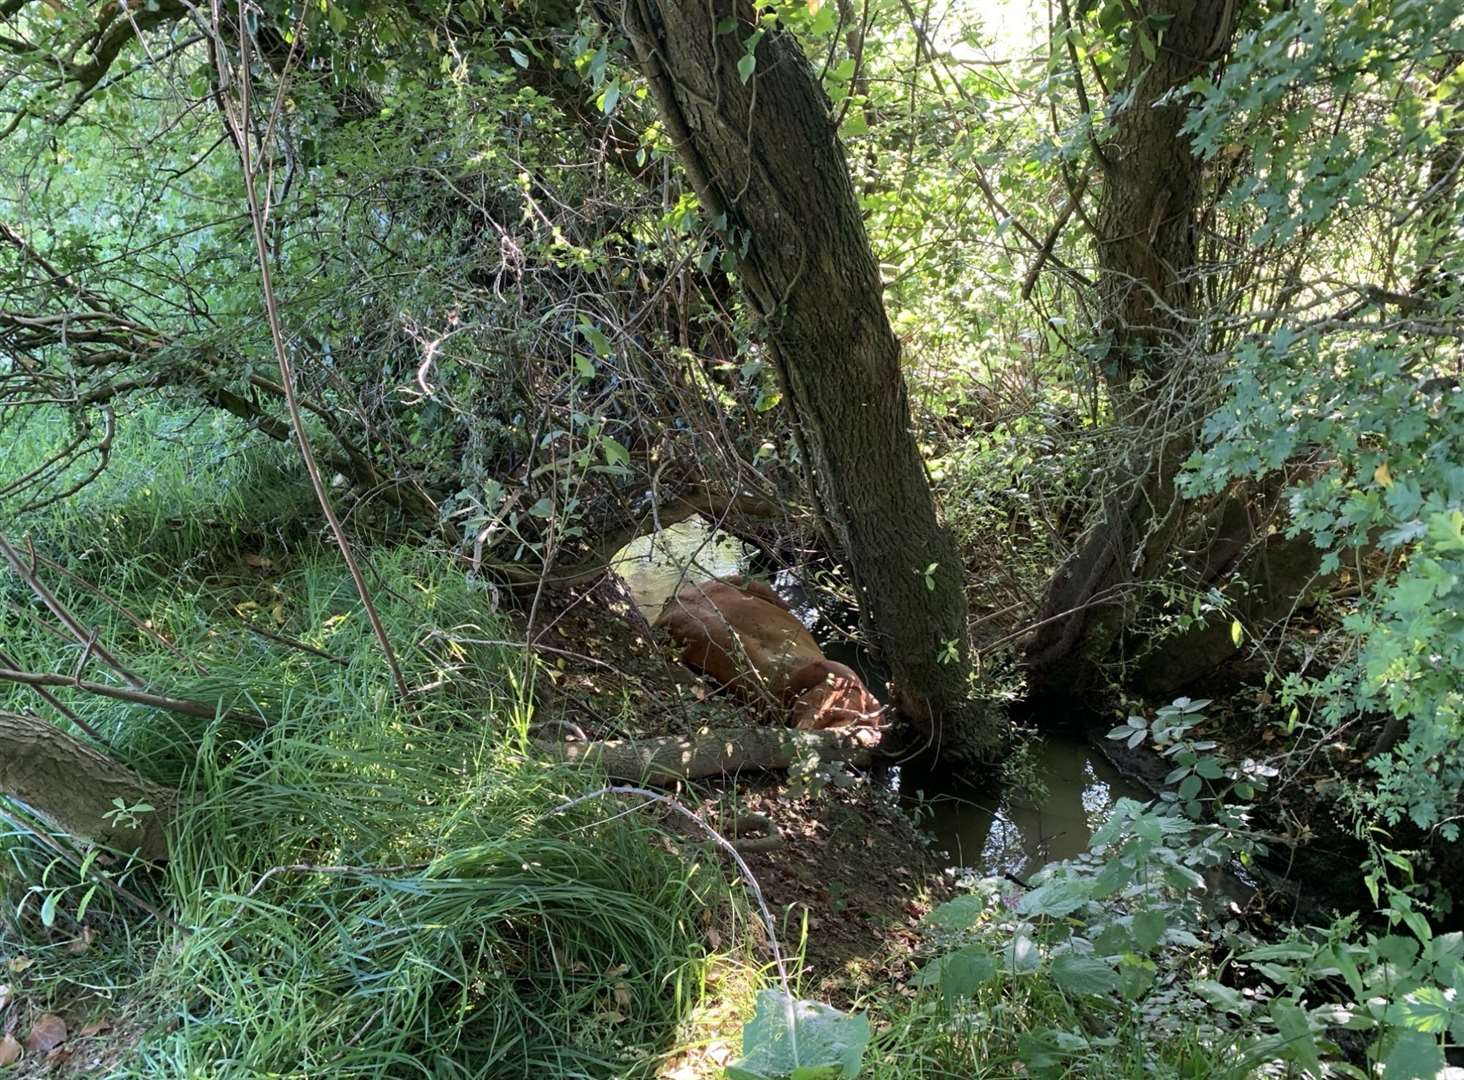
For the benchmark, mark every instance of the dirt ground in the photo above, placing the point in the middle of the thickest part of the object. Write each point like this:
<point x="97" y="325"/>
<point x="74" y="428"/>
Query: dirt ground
<point x="849" y="861"/>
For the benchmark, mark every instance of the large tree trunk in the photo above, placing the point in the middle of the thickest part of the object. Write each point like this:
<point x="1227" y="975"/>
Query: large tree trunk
<point x="72" y="786"/>
<point x="1148" y="279"/>
<point x="765" y="159"/>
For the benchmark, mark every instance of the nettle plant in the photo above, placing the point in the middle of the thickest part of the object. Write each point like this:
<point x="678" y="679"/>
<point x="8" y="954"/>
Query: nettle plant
<point x="1136" y="942"/>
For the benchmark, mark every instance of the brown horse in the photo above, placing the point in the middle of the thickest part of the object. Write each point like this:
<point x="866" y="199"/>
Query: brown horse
<point x="742" y="634"/>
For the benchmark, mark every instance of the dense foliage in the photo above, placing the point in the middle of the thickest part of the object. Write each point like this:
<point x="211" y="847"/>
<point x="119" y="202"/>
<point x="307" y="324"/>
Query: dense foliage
<point x="461" y="249"/>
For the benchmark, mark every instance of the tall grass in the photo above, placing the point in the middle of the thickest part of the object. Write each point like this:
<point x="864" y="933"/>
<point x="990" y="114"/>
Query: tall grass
<point x="358" y="887"/>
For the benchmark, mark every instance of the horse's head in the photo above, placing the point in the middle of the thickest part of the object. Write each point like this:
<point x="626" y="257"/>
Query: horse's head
<point x="828" y="694"/>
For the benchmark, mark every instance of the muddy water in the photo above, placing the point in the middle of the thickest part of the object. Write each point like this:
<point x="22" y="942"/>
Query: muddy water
<point x="986" y="829"/>
<point x="999" y="831"/>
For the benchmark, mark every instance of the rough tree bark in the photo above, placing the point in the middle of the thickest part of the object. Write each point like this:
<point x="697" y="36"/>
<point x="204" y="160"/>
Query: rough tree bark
<point x="766" y="162"/>
<point x="671" y="759"/>
<point x="72" y="786"/>
<point x="1152" y="187"/>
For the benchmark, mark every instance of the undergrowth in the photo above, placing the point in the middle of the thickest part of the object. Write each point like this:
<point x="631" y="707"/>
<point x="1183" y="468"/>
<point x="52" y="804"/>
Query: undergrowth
<point x="358" y="886"/>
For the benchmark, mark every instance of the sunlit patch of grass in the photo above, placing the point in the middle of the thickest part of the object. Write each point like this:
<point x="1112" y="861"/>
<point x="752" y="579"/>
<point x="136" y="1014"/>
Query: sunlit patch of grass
<point x="179" y="485"/>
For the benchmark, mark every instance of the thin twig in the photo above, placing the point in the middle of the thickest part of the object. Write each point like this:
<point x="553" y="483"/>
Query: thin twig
<point x="239" y="124"/>
<point x="83" y="636"/>
<point x="138" y="697"/>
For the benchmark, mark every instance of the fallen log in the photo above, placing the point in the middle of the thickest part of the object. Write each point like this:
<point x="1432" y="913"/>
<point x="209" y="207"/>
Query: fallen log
<point x="670" y="758"/>
<point x="78" y="789"/>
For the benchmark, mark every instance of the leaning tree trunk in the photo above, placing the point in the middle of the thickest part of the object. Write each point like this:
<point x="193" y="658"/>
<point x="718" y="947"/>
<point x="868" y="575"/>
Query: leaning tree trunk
<point x="74" y="787"/>
<point x="761" y="151"/>
<point x="1148" y="280"/>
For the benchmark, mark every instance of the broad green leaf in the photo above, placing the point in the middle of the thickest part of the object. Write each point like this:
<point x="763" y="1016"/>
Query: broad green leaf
<point x="1301" y="1044"/>
<point x="829" y="1042"/>
<point x="965" y="971"/>
<point x="1021" y="955"/>
<point x="1414" y="1056"/>
<point x="1220" y="996"/>
<point x="958" y="914"/>
<point x="1077" y="974"/>
<point x="1149" y="927"/>
<point x="1056" y="898"/>
<point x="615" y="453"/>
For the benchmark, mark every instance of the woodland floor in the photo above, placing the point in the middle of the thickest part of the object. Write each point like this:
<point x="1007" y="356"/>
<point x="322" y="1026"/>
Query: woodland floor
<point x="851" y="862"/>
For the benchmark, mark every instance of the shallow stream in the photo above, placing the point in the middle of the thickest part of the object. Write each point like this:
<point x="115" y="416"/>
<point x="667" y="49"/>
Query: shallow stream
<point x="984" y="828"/>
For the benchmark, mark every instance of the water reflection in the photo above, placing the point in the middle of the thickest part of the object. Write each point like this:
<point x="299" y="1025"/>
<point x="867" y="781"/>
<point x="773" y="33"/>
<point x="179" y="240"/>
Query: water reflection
<point x="994" y="832"/>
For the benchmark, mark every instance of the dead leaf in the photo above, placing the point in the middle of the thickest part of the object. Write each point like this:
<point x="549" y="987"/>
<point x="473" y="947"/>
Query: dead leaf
<point x="9" y="1050"/>
<point x="259" y="562"/>
<point x="96" y="1027"/>
<point x="617" y="971"/>
<point x="1383" y="476"/>
<point x="80" y="944"/>
<point x="714" y="939"/>
<point x="621" y="993"/>
<point x="17" y="964"/>
<point x="47" y="1033"/>
<point x="4" y="995"/>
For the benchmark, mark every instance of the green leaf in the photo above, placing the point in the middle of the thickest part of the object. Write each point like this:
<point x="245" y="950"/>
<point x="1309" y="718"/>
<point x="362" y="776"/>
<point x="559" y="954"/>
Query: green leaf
<point x="48" y="909"/>
<point x="1190" y="786"/>
<point x="965" y="971"/>
<point x="746" y="66"/>
<point x="1056" y="898"/>
<point x="1077" y="974"/>
<point x="598" y="341"/>
<point x="1237" y="632"/>
<point x="615" y="453"/>
<point x="1113" y="939"/>
<point x="829" y="1042"/>
<point x="86" y="899"/>
<point x="1220" y="996"/>
<point x="958" y="914"/>
<point x="1286" y="950"/>
<point x="1136" y="975"/>
<point x="1300" y="1044"/>
<point x="1049" y="1049"/>
<point x="1415" y="1055"/>
<point x="1021" y="955"/>
<point x="1149" y="927"/>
